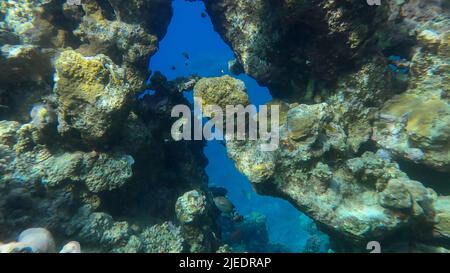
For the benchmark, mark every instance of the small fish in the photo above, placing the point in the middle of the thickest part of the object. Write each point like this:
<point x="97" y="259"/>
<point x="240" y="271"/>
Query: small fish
<point x="224" y="205"/>
<point x="392" y="67"/>
<point x="398" y="64"/>
<point x="174" y="67"/>
<point x="203" y="15"/>
<point x="185" y="55"/>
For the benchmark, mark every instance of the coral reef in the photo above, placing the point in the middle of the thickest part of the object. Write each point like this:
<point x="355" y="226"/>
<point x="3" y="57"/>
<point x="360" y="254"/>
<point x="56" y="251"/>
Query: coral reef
<point x="38" y="240"/>
<point x="164" y="238"/>
<point x="194" y="212"/>
<point x="349" y="123"/>
<point x="75" y="138"/>
<point x="71" y="247"/>
<point x="364" y="100"/>
<point x="285" y="44"/>
<point x="404" y="128"/>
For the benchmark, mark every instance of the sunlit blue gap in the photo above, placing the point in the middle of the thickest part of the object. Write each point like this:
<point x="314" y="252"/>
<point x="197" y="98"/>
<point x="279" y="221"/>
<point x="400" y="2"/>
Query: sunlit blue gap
<point x="208" y="56"/>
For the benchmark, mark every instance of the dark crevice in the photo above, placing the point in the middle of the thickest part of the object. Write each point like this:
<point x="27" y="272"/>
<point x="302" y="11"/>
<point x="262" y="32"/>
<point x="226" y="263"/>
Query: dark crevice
<point x="61" y="20"/>
<point x="368" y="146"/>
<point x="403" y="49"/>
<point x="438" y="181"/>
<point x="108" y="10"/>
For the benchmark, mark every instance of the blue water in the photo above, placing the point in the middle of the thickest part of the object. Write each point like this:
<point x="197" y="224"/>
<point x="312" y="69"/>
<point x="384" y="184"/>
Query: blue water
<point x="208" y="54"/>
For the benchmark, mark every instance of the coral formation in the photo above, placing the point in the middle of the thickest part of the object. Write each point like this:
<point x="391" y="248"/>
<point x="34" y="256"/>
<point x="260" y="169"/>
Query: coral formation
<point x="93" y="96"/>
<point x="73" y="137"/>
<point x="220" y="91"/>
<point x="34" y="240"/>
<point x="195" y="214"/>
<point x="348" y="127"/>
<point x="404" y="128"/>
<point x="164" y="238"/>
<point x="190" y="207"/>
<point x="283" y="44"/>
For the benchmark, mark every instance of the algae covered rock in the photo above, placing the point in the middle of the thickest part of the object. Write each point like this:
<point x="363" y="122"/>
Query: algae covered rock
<point x="304" y="121"/>
<point x="93" y="96"/>
<point x="414" y="134"/>
<point x="99" y="172"/>
<point x="93" y="228"/>
<point x="100" y="227"/>
<point x="35" y="161"/>
<point x="109" y="172"/>
<point x="415" y="124"/>
<point x="75" y="71"/>
<point x="190" y="206"/>
<point x="23" y="63"/>
<point x="358" y="199"/>
<point x="221" y="91"/>
<point x="442" y="225"/>
<point x="259" y="166"/>
<point x="127" y="44"/>
<point x="194" y="212"/>
<point x="285" y="43"/>
<point x="163" y="238"/>
<point x="336" y="117"/>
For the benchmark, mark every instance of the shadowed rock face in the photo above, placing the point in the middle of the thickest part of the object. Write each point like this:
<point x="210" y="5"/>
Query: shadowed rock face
<point x="283" y="44"/>
<point x="346" y="117"/>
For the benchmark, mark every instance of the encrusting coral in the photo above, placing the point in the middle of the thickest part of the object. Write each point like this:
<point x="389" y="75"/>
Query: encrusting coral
<point x="93" y="96"/>
<point x="345" y="125"/>
<point x="221" y="91"/>
<point x="73" y="137"/>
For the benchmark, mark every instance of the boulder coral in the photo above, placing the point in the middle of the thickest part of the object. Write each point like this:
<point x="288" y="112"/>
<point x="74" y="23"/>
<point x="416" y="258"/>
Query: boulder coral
<point x="221" y="91"/>
<point x="93" y="96"/>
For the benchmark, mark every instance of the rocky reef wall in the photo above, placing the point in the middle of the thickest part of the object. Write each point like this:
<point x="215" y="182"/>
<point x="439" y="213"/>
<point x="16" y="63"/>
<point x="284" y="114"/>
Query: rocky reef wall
<point x="363" y="92"/>
<point x="79" y="154"/>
